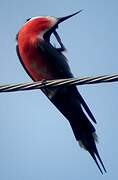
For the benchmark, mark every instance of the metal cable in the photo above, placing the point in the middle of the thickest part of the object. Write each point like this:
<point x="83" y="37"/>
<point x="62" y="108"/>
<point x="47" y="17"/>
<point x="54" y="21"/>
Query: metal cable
<point x="58" y="82"/>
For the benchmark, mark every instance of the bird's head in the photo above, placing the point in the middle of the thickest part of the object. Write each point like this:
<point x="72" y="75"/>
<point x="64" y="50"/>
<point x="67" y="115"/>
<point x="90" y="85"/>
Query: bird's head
<point x="42" y="26"/>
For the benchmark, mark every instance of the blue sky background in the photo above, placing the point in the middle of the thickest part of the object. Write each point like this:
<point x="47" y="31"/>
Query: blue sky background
<point x="36" y="141"/>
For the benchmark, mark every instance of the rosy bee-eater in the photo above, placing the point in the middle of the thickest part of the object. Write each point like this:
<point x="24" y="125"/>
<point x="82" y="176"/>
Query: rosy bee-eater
<point x="43" y="61"/>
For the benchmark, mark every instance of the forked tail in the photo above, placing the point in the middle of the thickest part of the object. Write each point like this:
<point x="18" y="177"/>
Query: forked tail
<point x="90" y="146"/>
<point x="94" y="155"/>
<point x="88" y="137"/>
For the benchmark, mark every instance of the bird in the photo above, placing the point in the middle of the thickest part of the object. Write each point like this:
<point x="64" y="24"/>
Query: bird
<point x="43" y="61"/>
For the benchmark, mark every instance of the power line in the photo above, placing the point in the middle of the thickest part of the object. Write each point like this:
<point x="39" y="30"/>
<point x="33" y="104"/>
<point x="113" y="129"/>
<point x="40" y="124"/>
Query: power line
<point x="58" y="82"/>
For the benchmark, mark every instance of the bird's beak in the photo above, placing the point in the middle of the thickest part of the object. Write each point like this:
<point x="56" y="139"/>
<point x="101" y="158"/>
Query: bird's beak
<point x="61" y="19"/>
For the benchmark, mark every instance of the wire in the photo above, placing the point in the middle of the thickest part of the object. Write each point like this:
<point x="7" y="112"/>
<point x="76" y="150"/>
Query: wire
<point x="58" y="82"/>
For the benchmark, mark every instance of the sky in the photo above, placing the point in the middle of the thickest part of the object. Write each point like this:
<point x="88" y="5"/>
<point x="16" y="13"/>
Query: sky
<point x="36" y="141"/>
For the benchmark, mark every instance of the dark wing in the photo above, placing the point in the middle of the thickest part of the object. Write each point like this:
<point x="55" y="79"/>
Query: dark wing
<point x="59" y="63"/>
<point x="57" y="60"/>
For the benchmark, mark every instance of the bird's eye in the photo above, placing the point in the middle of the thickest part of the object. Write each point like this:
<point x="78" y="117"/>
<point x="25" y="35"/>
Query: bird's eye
<point x="28" y="19"/>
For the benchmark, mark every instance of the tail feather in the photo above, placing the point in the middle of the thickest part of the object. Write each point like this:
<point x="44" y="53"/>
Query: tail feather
<point x="98" y="156"/>
<point x="95" y="159"/>
<point x="89" y="144"/>
<point x="94" y="153"/>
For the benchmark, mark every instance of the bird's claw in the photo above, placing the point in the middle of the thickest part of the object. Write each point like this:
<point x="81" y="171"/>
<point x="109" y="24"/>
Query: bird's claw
<point x="62" y="47"/>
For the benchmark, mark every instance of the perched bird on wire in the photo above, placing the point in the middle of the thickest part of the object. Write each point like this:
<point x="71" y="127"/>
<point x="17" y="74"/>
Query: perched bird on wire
<point x="43" y="61"/>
